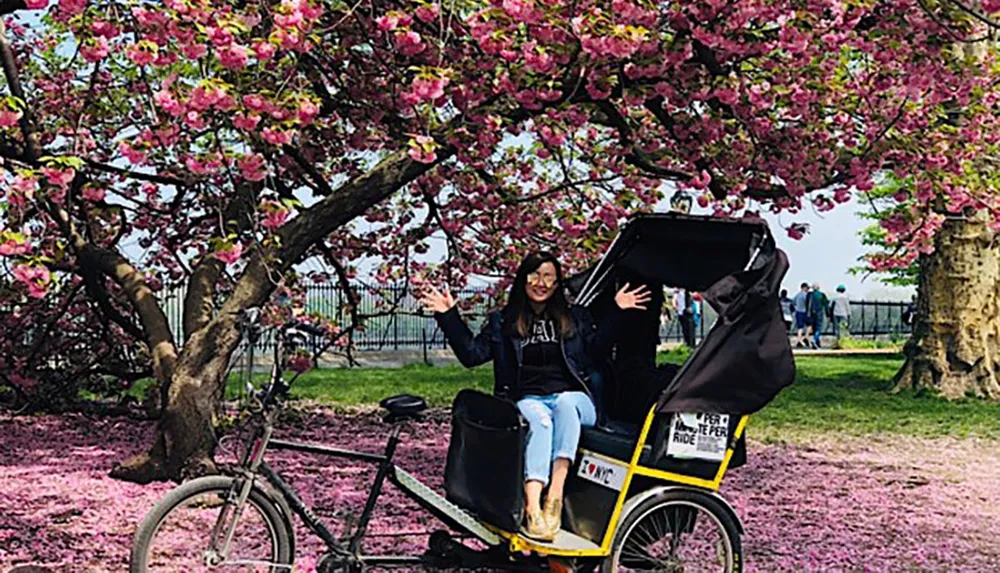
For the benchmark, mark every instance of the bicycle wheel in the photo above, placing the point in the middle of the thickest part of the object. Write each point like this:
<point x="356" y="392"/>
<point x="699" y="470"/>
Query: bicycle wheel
<point x="177" y="534"/>
<point x="677" y="531"/>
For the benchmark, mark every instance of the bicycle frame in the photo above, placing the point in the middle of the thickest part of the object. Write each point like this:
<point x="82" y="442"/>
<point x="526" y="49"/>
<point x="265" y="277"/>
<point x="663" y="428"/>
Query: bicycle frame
<point x="347" y="549"/>
<point x="252" y="466"/>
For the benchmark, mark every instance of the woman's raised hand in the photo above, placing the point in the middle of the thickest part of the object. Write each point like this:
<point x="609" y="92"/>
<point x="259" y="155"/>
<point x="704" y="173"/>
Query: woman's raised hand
<point x="436" y="301"/>
<point x="635" y="298"/>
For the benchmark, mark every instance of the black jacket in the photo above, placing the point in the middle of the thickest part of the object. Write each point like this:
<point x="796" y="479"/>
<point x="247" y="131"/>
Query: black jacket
<point x="585" y="350"/>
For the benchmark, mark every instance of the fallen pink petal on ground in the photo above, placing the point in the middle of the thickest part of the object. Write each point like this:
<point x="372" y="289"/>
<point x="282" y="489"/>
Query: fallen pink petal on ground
<point x="884" y="504"/>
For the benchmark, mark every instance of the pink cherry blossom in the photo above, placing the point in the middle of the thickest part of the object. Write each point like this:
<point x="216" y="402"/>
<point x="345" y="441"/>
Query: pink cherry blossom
<point x="428" y="12"/>
<point x="229" y="253"/>
<point x="306" y="112"/>
<point x="276" y="136"/>
<point x="194" y="120"/>
<point x="9" y="118"/>
<point x="252" y="167"/>
<point x="519" y="10"/>
<point x="275" y="214"/>
<point x="194" y="51"/>
<point x="104" y="28"/>
<point x="141" y="54"/>
<point x="422" y="149"/>
<point x="264" y="50"/>
<point x="58" y="177"/>
<point x="796" y="231"/>
<point x="93" y="193"/>
<point x="135" y="156"/>
<point x="220" y="36"/>
<point x="168" y="103"/>
<point x="35" y="278"/>
<point x="72" y="7"/>
<point x="233" y="56"/>
<point x="246" y="122"/>
<point x="393" y="20"/>
<point x="428" y="88"/>
<point x="255" y="102"/>
<point x="409" y="43"/>
<point x="95" y="49"/>
<point x="12" y="245"/>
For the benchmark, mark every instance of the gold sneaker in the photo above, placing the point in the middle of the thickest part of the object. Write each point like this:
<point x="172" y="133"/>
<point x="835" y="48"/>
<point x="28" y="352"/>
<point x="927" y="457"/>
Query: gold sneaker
<point x="536" y="527"/>
<point x="552" y="513"/>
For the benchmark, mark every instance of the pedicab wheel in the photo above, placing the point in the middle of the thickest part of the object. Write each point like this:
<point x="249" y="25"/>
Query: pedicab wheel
<point x="177" y="533"/>
<point x="677" y="531"/>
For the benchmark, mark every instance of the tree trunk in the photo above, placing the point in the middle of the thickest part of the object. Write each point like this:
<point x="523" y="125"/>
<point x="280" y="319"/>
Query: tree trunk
<point x="185" y="442"/>
<point x="955" y="348"/>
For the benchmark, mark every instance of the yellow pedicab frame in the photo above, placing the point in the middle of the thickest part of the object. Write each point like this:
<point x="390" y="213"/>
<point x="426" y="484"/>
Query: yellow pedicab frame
<point x="520" y="543"/>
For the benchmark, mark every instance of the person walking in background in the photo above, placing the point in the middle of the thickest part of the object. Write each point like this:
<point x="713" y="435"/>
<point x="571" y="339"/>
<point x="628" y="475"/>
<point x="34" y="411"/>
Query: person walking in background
<point x="817" y="306"/>
<point x="787" y="309"/>
<point x="841" y="311"/>
<point x="685" y="315"/>
<point x="800" y="304"/>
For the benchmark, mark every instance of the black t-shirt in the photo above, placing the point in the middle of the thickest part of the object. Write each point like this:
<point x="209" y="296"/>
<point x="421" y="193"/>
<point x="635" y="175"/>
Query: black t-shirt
<point x="544" y="370"/>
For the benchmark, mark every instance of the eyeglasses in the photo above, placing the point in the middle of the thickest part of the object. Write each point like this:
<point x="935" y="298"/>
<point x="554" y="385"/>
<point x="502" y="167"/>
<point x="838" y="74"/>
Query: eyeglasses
<point x="545" y="280"/>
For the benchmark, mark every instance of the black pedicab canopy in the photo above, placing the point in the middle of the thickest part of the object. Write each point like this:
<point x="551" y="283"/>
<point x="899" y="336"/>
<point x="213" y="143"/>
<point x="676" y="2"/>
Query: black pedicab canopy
<point x="744" y="360"/>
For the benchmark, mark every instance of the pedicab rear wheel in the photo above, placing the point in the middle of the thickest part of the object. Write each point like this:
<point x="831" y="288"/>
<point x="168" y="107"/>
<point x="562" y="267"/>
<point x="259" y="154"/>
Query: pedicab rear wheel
<point x="677" y="531"/>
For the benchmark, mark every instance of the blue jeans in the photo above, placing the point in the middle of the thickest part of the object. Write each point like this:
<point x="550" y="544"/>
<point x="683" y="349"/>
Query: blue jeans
<point x="554" y="423"/>
<point x="817" y="323"/>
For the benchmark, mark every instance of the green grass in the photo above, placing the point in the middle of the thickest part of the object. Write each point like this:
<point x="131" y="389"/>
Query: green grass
<point x="832" y="395"/>
<point x="850" y="395"/>
<point x="366" y="386"/>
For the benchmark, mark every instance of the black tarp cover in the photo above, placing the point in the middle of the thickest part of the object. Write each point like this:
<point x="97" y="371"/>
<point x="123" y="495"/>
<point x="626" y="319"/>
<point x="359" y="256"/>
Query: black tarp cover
<point x="746" y="358"/>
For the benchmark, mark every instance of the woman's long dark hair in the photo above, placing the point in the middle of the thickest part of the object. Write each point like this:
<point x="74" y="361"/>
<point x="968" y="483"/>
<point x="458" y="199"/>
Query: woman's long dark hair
<point x="518" y="313"/>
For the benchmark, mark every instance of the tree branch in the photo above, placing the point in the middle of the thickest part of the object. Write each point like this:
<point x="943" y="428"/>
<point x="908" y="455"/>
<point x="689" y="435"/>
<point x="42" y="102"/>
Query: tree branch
<point x="199" y="303"/>
<point x="158" y="333"/>
<point x="317" y="178"/>
<point x="138" y="176"/>
<point x="636" y="157"/>
<point x="27" y="123"/>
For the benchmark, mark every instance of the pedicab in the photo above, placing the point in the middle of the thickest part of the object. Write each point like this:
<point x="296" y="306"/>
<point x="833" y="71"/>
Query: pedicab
<point x="643" y="492"/>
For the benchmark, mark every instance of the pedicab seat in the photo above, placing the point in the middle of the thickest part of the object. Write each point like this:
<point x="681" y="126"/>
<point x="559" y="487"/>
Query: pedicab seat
<point x="403" y="407"/>
<point x="615" y="440"/>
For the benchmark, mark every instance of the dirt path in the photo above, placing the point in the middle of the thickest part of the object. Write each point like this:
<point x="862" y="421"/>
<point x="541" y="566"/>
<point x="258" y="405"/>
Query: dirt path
<point x="886" y="504"/>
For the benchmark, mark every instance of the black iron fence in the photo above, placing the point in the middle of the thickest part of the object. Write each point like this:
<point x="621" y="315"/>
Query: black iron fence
<point x="396" y="321"/>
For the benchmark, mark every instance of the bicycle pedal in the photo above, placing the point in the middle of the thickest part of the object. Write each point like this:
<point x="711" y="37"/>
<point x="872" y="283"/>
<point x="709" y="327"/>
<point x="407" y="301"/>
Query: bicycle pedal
<point x="329" y="563"/>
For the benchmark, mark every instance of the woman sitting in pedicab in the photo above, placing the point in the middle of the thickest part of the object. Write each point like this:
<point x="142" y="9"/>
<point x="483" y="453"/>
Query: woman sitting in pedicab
<point x="545" y="353"/>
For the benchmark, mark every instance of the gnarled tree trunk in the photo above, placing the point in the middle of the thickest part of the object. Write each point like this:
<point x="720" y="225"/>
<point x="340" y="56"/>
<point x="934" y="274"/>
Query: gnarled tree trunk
<point x="955" y="347"/>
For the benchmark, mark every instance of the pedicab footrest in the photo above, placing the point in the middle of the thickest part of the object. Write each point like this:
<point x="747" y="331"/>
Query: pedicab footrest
<point x="457" y="514"/>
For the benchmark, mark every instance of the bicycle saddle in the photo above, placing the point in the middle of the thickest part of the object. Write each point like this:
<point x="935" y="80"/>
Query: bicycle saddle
<point x="403" y="406"/>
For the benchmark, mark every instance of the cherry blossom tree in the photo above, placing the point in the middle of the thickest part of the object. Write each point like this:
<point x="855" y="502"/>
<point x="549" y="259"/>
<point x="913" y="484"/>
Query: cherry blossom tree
<point x="221" y="143"/>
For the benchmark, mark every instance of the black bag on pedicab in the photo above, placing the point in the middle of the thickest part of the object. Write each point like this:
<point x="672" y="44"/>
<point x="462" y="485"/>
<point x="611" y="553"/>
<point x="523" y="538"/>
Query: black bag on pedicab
<point x="485" y="468"/>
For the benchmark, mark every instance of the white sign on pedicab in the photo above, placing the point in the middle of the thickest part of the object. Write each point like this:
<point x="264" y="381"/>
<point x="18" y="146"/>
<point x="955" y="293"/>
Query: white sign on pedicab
<point x="699" y="435"/>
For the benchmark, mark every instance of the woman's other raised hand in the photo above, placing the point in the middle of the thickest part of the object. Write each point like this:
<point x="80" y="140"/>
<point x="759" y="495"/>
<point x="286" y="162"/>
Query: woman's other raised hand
<point x="435" y="301"/>
<point x="635" y="298"/>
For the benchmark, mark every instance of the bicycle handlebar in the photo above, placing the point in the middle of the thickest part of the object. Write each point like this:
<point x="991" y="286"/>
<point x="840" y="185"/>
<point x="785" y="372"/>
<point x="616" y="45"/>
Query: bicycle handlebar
<point x="291" y="333"/>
